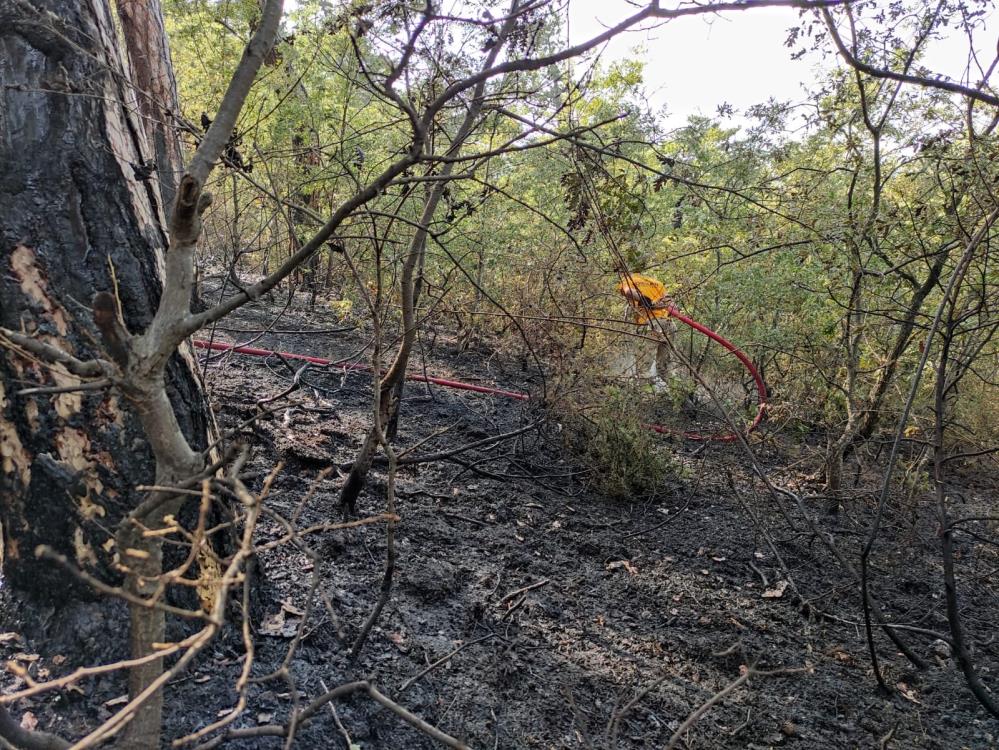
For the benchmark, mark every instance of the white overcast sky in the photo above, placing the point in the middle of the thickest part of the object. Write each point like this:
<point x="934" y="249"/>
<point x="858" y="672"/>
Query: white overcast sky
<point x="694" y="64"/>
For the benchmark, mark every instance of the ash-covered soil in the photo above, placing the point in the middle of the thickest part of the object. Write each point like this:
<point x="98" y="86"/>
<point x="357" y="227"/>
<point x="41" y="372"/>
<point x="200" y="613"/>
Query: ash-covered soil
<point x="528" y="611"/>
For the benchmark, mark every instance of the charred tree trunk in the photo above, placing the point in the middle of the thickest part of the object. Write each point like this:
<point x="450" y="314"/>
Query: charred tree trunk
<point x="79" y="216"/>
<point x="152" y="75"/>
<point x="84" y="216"/>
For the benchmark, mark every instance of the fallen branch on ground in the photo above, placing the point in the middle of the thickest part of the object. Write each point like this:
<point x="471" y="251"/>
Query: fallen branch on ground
<point x="746" y="672"/>
<point x="363" y="686"/>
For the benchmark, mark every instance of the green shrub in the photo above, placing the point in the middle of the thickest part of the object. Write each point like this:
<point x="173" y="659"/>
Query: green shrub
<point x="627" y="459"/>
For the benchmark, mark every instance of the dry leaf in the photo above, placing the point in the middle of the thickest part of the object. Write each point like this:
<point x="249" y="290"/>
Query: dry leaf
<point x="29" y="721"/>
<point x="777" y="591"/>
<point x="841" y="656"/>
<point x="8" y="637"/>
<point x="263" y="718"/>
<point x="908" y="693"/>
<point x="274" y="625"/>
<point x="58" y="659"/>
<point x="626" y="564"/>
<point x="279" y="626"/>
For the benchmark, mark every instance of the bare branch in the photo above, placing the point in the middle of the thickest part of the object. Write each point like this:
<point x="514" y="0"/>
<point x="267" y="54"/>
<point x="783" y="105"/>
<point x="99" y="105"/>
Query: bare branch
<point x="53" y="355"/>
<point x="941" y="84"/>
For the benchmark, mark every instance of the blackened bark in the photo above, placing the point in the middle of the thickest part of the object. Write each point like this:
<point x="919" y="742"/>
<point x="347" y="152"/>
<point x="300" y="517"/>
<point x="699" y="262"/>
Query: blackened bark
<point x="152" y="75"/>
<point x="73" y="205"/>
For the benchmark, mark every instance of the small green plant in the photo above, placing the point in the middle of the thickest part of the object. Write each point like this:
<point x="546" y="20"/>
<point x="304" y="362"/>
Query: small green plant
<point x="611" y="437"/>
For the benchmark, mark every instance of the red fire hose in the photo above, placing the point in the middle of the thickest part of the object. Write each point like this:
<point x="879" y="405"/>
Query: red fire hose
<point x="761" y="387"/>
<point x="357" y="366"/>
<point x="727" y="437"/>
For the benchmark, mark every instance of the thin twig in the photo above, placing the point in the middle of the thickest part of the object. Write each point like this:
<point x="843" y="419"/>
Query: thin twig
<point x="746" y="673"/>
<point x="523" y="590"/>
<point x="429" y="668"/>
<point x="93" y="385"/>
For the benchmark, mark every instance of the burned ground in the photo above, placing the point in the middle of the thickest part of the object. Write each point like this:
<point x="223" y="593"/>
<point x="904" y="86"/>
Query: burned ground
<point x="554" y="618"/>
